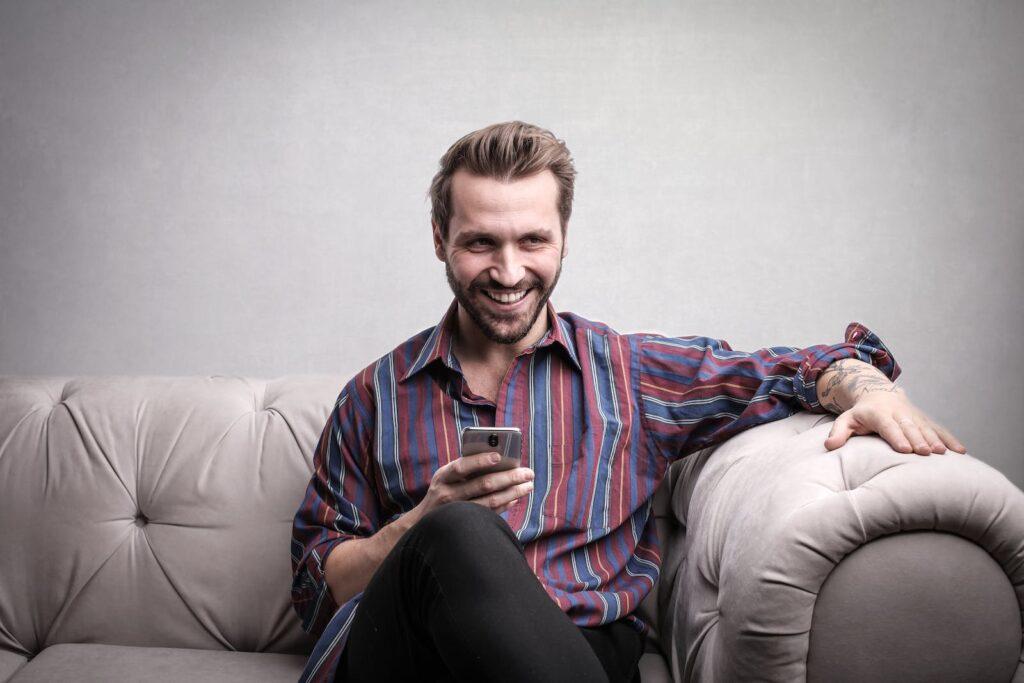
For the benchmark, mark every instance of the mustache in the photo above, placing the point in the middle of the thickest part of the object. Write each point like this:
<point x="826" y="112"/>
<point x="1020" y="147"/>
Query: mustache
<point x="494" y="287"/>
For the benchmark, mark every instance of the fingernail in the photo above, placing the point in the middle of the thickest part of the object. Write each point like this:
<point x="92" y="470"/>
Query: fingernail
<point x="495" y="457"/>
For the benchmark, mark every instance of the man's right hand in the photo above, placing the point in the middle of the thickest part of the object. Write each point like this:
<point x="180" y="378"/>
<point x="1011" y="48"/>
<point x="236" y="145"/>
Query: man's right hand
<point x="461" y="479"/>
<point x="350" y="565"/>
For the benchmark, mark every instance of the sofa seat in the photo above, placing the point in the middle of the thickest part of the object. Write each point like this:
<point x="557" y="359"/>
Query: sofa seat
<point x="86" y="662"/>
<point x="95" y="663"/>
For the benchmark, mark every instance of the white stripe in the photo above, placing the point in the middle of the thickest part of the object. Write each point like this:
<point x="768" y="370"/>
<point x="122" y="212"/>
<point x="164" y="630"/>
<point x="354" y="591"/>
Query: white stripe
<point x="394" y="420"/>
<point x="704" y="401"/>
<point x="570" y="343"/>
<point x="428" y="347"/>
<point x="675" y="342"/>
<point x="689" y="421"/>
<point x="575" y="569"/>
<point x="338" y="496"/>
<point x="334" y="642"/>
<point x="531" y="497"/>
<point x="615" y="441"/>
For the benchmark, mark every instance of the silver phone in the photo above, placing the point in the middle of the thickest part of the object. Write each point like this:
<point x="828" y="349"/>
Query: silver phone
<point x="508" y="441"/>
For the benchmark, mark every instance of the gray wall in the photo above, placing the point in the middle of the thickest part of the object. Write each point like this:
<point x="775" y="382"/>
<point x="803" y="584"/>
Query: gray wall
<point x="239" y="188"/>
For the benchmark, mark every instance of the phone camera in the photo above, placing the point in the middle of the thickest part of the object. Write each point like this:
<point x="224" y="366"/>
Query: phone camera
<point x="492" y="440"/>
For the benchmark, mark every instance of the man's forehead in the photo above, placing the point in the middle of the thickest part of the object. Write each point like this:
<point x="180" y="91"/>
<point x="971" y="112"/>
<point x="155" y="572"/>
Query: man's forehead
<point x="535" y="194"/>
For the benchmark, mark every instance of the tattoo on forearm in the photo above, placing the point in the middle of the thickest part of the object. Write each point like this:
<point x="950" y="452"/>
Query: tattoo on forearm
<point x="847" y="380"/>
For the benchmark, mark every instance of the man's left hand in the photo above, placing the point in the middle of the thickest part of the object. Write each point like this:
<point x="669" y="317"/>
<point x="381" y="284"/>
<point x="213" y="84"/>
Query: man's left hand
<point x="893" y="417"/>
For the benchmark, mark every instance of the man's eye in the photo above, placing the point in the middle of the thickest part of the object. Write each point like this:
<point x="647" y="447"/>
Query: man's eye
<point x="480" y="242"/>
<point x="534" y="240"/>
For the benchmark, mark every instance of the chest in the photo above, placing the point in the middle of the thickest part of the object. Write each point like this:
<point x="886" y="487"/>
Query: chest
<point x="484" y="381"/>
<point x="581" y="437"/>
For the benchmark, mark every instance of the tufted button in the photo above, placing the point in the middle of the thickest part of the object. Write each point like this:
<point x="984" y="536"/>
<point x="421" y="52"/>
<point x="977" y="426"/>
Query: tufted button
<point x="140" y="519"/>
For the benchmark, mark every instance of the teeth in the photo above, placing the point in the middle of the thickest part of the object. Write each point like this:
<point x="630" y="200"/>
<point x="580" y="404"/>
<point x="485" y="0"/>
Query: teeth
<point x="506" y="298"/>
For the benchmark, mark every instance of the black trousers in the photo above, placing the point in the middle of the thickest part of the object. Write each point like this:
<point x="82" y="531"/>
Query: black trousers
<point x="455" y="600"/>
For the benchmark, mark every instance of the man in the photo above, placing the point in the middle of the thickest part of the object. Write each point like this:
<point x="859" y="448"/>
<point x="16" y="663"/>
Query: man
<point x="409" y="567"/>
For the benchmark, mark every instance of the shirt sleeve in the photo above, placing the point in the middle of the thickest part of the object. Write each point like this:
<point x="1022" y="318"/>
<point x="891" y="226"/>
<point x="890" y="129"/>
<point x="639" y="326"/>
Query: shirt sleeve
<point x="696" y="392"/>
<point x="339" y="504"/>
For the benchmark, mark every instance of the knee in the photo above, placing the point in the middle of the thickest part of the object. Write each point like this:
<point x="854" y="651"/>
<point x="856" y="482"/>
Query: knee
<point x="461" y="525"/>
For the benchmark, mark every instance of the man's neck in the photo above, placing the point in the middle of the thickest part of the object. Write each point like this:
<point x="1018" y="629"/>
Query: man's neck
<point x="472" y="346"/>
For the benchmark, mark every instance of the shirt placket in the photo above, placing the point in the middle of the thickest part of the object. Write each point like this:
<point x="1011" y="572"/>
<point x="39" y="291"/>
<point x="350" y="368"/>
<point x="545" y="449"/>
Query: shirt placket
<point x="520" y="369"/>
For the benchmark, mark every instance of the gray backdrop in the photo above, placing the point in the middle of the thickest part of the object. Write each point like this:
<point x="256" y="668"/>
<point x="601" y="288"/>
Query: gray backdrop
<point x="240" y="188"/>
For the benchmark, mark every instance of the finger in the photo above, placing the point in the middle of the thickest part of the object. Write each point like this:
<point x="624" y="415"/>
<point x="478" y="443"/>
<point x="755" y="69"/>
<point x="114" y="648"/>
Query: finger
<point x="841" y="432"/>
<point x="462" y="468"/>
<point x="893" y="434"/>
<point x="505" y="496"/>
<point x="914" y="435"/>
<point x="934" y="442"/>
<point x="495" y="481"/>
<point x="950" y="440"/>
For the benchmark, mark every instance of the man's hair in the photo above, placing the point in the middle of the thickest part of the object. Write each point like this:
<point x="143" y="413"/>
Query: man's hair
<point x="503" y="151"/>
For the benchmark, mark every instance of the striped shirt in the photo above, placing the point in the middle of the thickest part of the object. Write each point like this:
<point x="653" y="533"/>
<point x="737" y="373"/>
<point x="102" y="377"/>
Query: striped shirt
<point x="602" y="415"/>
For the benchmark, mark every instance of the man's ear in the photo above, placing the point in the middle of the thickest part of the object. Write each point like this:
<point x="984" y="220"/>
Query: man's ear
<point x="438" y="242"/>
<point x="565" y="242"/>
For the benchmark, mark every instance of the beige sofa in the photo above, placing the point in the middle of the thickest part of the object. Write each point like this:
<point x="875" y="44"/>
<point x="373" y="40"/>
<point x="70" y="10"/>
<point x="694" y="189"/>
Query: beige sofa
<point x="145" y="526"/>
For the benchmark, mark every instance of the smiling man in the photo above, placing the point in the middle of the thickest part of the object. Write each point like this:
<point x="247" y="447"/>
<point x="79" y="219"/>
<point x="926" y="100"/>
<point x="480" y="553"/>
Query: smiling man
<point x="413" y="563"/>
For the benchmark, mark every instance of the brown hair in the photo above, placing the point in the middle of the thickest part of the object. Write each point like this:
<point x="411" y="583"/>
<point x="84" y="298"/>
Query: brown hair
<point x="505" y="152"/>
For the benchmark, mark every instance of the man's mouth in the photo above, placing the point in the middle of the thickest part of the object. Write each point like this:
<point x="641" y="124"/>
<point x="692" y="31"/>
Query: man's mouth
<point x="506" y="299"/>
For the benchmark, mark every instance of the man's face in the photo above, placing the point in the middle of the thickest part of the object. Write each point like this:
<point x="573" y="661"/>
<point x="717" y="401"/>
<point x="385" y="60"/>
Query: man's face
<point x="504" y="241"/>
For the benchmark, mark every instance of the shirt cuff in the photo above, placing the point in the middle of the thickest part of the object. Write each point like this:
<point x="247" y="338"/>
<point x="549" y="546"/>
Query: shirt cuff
<point x="861" y="343"/>
<point x="320" y="604"/>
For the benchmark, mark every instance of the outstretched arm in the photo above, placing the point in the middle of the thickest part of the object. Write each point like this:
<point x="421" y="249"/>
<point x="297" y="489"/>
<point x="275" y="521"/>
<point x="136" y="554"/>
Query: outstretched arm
<point x="868" y="403"/>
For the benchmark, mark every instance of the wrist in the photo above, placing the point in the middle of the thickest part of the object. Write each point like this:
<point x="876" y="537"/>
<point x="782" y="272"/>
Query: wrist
<point x="389" y="534"/>
<point x="880" y="392"/>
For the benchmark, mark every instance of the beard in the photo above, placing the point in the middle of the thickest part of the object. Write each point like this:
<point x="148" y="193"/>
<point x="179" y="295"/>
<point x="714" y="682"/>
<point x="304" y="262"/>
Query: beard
<point x="502" y="329"/>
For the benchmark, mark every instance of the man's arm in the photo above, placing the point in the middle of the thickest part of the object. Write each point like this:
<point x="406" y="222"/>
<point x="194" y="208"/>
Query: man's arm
<point x="340" y="504"/>
<point x="696" y="392"/>
<point x="867" y="403"/>
<point x="351" y="565"/>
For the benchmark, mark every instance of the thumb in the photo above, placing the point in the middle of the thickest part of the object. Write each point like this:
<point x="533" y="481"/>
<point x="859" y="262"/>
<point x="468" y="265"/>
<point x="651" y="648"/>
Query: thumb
<point x="841" y="431"/>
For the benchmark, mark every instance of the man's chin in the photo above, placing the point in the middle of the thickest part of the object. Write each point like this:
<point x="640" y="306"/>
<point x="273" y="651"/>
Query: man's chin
<point x="506" y="329"/>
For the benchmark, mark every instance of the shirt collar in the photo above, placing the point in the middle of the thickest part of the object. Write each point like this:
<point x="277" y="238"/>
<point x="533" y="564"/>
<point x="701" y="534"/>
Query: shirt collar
<point x="438" y="346"/>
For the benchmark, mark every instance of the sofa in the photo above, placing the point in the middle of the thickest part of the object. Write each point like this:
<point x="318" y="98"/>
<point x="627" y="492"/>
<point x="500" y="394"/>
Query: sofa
<point x="145" y="526"/>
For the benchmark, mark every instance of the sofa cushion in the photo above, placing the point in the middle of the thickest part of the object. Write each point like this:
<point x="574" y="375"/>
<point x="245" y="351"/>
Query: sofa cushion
<point x="9" y="663"/>
<point x="126" y="497"/>
<point x="654" y="669"/>
<point x="87" y="662"/>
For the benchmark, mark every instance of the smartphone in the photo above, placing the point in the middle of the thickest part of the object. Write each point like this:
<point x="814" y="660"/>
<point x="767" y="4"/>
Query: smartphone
<point x="508" y="441"/>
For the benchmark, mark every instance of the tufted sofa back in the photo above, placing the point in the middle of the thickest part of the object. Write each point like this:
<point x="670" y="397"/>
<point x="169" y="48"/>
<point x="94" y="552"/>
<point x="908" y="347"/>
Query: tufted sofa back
<point x="156" y="511"/>
<point x="153" y="510"/>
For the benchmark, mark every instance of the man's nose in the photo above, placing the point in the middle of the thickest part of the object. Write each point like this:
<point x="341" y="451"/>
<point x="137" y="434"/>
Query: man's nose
<point x="508" y="269"/>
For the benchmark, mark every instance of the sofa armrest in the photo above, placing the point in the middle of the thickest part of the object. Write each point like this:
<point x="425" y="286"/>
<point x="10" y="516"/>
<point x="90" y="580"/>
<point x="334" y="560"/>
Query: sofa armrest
<point x="764" y="519"/>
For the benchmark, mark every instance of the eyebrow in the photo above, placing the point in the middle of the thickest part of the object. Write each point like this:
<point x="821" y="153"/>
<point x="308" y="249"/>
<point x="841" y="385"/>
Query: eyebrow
<point x="471" y="234"/>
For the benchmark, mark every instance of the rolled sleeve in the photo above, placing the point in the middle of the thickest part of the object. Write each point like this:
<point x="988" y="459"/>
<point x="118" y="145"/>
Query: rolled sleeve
<point x="860" y="343"/>
<point x="339" y="505"/>
<point x="311" y="596"/>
